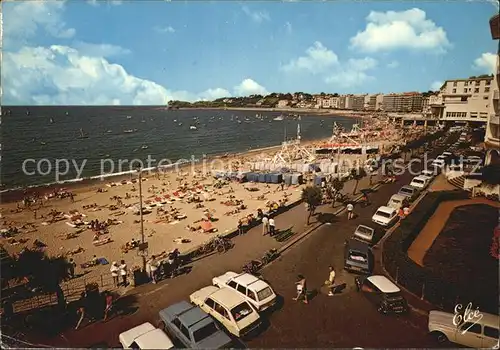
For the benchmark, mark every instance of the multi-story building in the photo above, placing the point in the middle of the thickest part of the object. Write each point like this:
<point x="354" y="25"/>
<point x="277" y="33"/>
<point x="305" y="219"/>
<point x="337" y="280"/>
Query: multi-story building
<point x="342" y="102"/>
<point x="466" y="100"/>
<point x="335" y="102"/>
<point x="405" y="102"/>
<point x="358" y="102"/>
<point x="492" y="137"/>
<point x="349" y="102"/>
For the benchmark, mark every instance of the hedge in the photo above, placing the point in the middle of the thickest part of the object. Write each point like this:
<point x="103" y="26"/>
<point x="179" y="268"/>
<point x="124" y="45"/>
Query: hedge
<point x="419" y="280"/>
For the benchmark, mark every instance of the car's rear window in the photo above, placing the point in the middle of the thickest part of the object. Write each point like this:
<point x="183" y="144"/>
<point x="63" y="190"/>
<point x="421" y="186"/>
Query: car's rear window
<point x="364" y="230"/>
<point x="383" y="214"/>
<point x="264" y="293"/>
<point x="418" y="181"/>
<point x="357" y="256"/>
<point x="204" y="332"/>
<point x="406" y="191"/>
<point x="241" y="311"/>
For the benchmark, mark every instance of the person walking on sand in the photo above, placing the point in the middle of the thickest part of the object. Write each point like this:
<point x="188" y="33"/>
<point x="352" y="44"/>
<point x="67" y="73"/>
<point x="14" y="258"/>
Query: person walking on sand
<point x="331" y="280"/>
<point x="301" y="289"/>
<point x="123" y="272"/>
<point x="265" y="225"/>
<point x="272" y="227"/>
<point x="114" y="273"/>
<point x="71" y="268"/>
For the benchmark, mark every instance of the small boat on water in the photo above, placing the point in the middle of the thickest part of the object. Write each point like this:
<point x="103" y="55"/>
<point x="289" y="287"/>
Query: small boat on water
<point x="129" y="117"/>
<point x="82" y="135"/>
<point x="43" y="143"/>
<point x="129" y="131"/>
<point x="279" y="118"/>
<point x="51" y="121"/>
<point x="192" y="127"/>
<point x="144" y="147"/>
<point x="180" y="124"/>
<point x="109" y="131"/>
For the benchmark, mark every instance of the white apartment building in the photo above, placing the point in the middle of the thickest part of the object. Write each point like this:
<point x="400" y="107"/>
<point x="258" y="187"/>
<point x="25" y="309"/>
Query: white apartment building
<point x="492" y="137"/>
<point x="349" y="102"/>
<point x="358" y="102"/>
<point x="466" y="100"/>
<point x="404" y="102"/>
<point x="374" y="102"/>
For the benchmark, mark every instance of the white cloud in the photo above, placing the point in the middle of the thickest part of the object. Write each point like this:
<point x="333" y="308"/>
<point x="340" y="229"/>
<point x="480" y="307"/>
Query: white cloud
<point x="288" y="27"/>
<point x="98" y="2"/>
<point x="61" y="75"/>
<point x="249" y="87"/>
<point x="317" y="59"/>
<point x="353" y="73"/>
<point x="104" y="50"/>
<point x="486" y="63"/>
<point x="436" y="85"/>
<point x="93" y="2"/>
<point x="495" y="3"/>
<point x="393" y="64"/>
<point x="116" y="2"/>
<point x="256" y="16"/>
<point x="22" y="20"/>
<point x="400" y="30"/>
<point x="165" y="29"/>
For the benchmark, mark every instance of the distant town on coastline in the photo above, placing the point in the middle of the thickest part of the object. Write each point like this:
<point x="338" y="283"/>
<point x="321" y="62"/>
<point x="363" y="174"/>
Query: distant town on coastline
<point x="473" y="93"/>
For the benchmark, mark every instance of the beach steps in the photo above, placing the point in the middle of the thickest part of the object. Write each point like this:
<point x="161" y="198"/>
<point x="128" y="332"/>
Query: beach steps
<point x="458" y="181"/>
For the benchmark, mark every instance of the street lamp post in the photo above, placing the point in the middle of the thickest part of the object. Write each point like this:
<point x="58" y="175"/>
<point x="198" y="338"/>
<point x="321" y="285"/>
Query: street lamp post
<point x="143" y="247"/>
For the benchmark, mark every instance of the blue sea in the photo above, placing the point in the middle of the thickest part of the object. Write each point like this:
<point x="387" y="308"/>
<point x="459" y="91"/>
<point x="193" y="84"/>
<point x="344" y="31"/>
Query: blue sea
<point x="91" y="134"/>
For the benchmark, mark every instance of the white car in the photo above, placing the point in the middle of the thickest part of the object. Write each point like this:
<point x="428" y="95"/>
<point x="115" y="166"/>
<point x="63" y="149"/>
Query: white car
<point x="385" y="216"/>
<point x="445" y="155"/>
<point x="364" y="233"/>
<point x="429" y="173"/>
<point x="420" y="182"/>
<point x="438" y="162"/>
<point x="229" y="308"/>
<point x="479" y="332"/>
<point x="396" y="201"/>
<point x="145" y="336"/>
<point x="253" y="289"/>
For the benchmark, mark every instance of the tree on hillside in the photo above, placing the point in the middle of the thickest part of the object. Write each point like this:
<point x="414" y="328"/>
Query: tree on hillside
<point x="312" y="196"/>
<point x="43" y="272"/>
<point x="357" y="174"/>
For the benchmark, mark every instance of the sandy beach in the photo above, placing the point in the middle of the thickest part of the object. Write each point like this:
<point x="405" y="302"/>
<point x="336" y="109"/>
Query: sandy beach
<point x="178" y="205"/>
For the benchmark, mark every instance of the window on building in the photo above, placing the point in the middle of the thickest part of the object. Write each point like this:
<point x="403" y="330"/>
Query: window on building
<point x="454" y="91"/>
<point x="488" y="82"/>
<point x="448" y="114"/>
<point x="454" y="83"/>
<point x="476" y="90"/>
<point x="485" y="97"/>
<point x="464" y="115"/>
<point x="464" y="99"/>
<point x="466" y="83"/>
<point x="486" y="89"/>
<point x="465" y="91"/>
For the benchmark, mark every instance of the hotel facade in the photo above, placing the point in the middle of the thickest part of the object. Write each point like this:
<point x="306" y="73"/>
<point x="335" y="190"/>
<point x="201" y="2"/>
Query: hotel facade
<point x="492" y="137"/>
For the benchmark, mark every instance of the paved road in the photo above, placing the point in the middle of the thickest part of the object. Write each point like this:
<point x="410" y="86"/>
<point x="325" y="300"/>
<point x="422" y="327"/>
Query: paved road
<point x="345" y="320"/>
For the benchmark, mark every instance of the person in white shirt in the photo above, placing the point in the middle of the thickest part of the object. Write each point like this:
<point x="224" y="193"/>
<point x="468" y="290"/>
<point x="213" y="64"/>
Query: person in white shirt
<point x="331" y="280"/>
<point x="272" y="227"/>
<point x="123" y="272"/>
<point x="114" y="273"/>
<point x="350" y="211"/>
<point x="153" y="267"/>
<point x="265" y="225"/>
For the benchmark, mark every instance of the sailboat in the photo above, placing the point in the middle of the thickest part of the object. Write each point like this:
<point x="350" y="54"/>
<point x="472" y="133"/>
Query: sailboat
<point x="51" y="121"/>
<point x="82" y="135"/>
<point x="279" y="118"/>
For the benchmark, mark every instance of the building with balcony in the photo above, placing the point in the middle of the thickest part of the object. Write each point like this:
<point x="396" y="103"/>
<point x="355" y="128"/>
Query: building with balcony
<point x="358" y="102"/>
<point x="405" y="102"/>
<point x="492" y="137"/>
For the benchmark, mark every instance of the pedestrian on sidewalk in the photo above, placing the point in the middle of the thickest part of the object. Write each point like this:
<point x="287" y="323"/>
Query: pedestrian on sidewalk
<point x="240" y="227"/>
<point x="301" y="289"/>
<point x="350" y="211"/>
<point x="272" y="227"/>
<point x="331" y="280"/>
<point x="153" y="268"/>
<point x="71" y="268"/>
<point x="109" y="304"/>
<point x="265" y="225"/>
<point x="81" y="308"/>
<point x="123" y="272"/>
<point x="114" y="273"/>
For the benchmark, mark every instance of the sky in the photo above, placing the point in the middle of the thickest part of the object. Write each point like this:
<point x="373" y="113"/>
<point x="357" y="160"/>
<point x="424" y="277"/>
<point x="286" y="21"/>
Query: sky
<point x="80" y="52"/>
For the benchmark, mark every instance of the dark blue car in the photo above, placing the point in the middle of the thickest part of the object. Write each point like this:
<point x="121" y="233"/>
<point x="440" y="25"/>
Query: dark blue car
<point x="192" y="327"/>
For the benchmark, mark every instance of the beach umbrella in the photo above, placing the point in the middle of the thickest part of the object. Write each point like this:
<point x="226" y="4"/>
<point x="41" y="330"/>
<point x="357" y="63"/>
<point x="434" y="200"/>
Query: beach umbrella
<point x="206" y="225"/>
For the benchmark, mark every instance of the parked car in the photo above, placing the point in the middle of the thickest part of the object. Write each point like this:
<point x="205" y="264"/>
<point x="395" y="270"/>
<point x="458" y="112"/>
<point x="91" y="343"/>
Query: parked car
<point x="358" y="256"/>
<point x="480" y="333"/>
<point x="228" y="307"/>
<point x="364" y="234"/>
<point x="396" y="201"/>
<point x="385" y="216"/>
<point x="253" y="289"/>
<point x="420" y="182"/>
<point x="409" y="192"/>
<point x="439" y="162"/>
<point x="383" y="293"/>
<point x="430" y="173"/>
<point x="445" y="155"/>
<point x="145" y="336"/>
<point x="194" y="328"/>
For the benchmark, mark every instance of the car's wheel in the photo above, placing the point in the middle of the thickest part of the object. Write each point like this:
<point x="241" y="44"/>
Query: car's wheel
<point x="440" y="337"/>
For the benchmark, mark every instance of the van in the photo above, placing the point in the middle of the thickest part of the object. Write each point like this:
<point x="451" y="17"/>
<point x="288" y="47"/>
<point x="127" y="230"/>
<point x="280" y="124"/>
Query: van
<point x="383" y="293"/>
<point x="358" y="256"/>
<point x="479" y="332"/>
